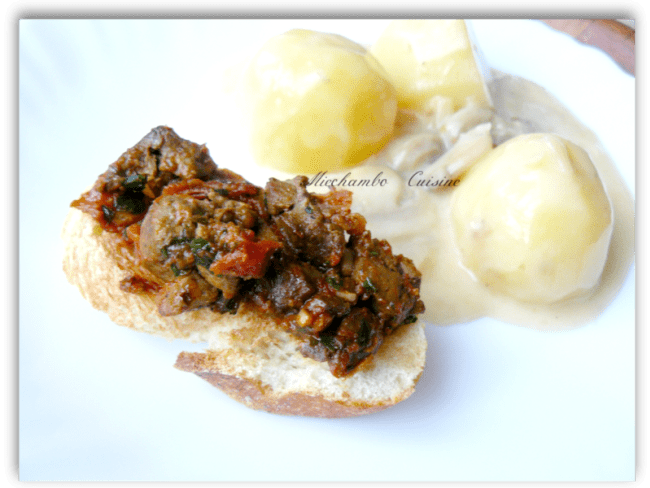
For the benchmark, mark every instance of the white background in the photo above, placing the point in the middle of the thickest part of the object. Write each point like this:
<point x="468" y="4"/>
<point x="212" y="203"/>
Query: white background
<point x="99" y="402"/>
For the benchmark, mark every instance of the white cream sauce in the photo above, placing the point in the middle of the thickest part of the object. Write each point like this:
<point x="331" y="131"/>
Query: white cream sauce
<point x="417" y="224"/>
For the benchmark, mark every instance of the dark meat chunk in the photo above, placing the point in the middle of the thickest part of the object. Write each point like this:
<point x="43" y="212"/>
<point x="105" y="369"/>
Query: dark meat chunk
<point x="280" y="196"/>
<point x="228" y="285"/>
<point x="241" y="254"/>
<point x="358" y="337"/>
<point x="185" y="293"/>
<point x="302" y="225"/>
<point x="335" y="206"/>
<point x="290" y="285"/>
<point x="160" y="156"/>
<point x="374" y="293"/>
<point x="212" y="235"/>
<point x="346" y="344"/>
<point x="167" y="231"/>
<point x="347" y="262"/>
<point x="122" y="195"/>
<point x="309" y="237"/>
<point x="320" y="311"/>
<point x="390" y="282"/>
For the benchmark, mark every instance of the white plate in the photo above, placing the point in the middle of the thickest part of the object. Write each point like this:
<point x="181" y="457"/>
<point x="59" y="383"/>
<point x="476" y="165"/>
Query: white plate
<point x="100" y="402"/>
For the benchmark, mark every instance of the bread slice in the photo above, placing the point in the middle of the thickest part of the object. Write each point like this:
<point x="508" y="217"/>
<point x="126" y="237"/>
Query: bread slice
<point x="248" y="356"/>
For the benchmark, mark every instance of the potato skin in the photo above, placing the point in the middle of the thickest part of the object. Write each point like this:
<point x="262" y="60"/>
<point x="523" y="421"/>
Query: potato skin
<point x="317" y="102"/>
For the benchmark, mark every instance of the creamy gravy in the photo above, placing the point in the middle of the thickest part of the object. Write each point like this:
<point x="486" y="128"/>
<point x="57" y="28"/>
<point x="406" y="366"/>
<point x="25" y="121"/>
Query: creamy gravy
<point x="416" y="221"/>
<point x="420" y="227"/>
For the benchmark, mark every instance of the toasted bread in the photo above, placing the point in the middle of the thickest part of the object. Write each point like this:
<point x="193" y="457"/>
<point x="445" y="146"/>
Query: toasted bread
<point x="248" y="356"/>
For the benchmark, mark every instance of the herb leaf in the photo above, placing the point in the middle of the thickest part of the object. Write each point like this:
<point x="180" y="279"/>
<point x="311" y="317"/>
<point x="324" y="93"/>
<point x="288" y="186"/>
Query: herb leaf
<point x="203" y="261"/>
<point x="201" y="249"/>
<point x="178" y="240"/>
<point x="327" y="340"/>
<point x="363" y="337"/>
<point x="197" y="244"/>
<point x="130" y="202"/>
<point x="135" y="182"/>
<point x="333" y="283"/>
<point x="369" y="285"/>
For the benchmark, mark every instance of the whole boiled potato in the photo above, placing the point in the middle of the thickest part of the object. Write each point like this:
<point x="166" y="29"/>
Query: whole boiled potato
<point x="432" y="57"/>
<point x="533" y="220"/>
<point x="318" y="102"/>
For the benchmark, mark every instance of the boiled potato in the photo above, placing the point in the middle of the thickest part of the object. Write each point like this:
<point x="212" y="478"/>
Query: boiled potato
<point x="532" y="219"/>
<point x="429" y="58"/>
<point x="318" y="102"/>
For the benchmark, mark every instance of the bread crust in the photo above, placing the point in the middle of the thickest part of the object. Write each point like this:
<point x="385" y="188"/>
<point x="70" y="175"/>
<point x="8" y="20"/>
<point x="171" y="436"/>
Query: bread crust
<point x="249" y="357"/>
<point x="254" y="394"/>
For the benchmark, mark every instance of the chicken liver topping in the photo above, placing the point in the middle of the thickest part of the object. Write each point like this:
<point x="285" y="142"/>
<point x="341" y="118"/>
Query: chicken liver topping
<point x="201" y="236"/>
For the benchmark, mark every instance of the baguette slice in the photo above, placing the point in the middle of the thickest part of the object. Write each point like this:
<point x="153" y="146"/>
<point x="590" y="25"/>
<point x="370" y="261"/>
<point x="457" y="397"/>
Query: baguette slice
<point x="248" y="356"/>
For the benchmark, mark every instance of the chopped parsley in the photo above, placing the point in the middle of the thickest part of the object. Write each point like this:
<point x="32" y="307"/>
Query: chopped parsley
<point x="334" y="283"/>
<point x="363" y="337"/>
<point x="199" y="244"/>
<point x="327" y="340"/>
<point x="135" y="182"/>
<point x="130" y="202"/>
<point x="369" y="285"/>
